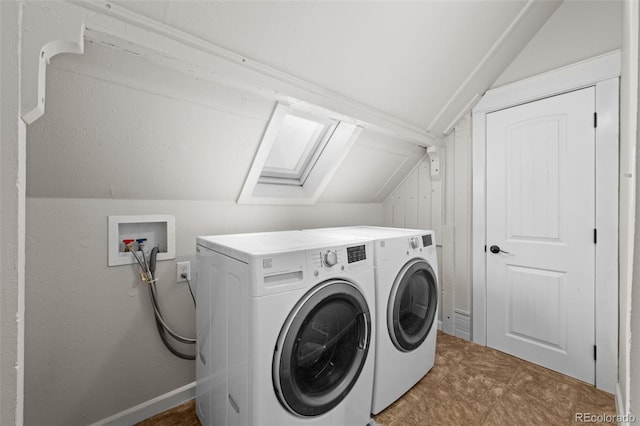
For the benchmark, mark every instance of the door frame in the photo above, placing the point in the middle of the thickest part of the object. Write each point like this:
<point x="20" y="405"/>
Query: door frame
<point x="603" y="73"/>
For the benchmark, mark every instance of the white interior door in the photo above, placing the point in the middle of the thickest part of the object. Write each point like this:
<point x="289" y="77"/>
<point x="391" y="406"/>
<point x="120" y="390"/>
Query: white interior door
<point x="541" y="215"/>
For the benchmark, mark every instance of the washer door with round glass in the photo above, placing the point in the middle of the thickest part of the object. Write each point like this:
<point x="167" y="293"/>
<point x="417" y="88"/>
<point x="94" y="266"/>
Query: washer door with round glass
<point x="322" y="348"/>
<point x="412" y="306"/>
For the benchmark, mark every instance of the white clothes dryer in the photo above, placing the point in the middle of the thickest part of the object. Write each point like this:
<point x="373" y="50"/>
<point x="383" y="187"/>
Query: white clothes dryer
<point x="285" y="326"/>
<point x="406" y="271"/>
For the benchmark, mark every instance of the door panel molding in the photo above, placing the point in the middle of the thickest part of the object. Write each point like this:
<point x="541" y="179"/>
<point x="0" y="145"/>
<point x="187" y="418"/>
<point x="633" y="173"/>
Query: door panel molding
<point x="601" y="72"/>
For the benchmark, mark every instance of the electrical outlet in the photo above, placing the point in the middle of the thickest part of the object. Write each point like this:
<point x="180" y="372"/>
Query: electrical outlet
<point x="183" y="268"/>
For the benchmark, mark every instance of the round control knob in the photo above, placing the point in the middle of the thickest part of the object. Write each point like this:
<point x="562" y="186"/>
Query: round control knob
<point x="330" y="258"/>
<point x="414" y="243"/>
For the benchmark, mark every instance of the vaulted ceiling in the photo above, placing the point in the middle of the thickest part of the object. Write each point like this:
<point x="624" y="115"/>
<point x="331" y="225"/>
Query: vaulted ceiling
<point x="418" y="63"/>
<point x="124" y="122"/>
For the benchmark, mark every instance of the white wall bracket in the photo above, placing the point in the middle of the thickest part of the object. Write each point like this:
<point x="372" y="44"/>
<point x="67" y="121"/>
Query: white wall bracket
<point x="47" y="30"/>
<point x="436" y="156"/>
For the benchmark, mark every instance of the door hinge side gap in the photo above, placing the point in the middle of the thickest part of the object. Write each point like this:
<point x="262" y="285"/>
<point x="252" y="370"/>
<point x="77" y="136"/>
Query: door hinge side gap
<point x="595" y="236"/>
<point x="595" y="119"/>
<point x="595" y="352"/>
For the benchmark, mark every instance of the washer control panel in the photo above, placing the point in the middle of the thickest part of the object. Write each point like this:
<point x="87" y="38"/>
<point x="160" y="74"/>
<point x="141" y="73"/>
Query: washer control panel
<point x="339" y="258"/>
<point x="414" y="242"/>
<point x="329" y="258"/>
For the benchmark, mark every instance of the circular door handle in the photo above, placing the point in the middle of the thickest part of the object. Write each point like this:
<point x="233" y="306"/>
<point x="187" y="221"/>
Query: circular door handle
<point x="496" y="250"/>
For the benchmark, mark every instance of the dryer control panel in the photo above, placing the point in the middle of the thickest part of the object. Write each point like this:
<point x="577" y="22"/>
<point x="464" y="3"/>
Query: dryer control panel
<point x="420" y="243"/>
<point x="356" y="253"/>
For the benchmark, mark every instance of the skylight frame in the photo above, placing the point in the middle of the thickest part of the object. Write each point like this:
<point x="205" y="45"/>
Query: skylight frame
<point x="319" y="170"/>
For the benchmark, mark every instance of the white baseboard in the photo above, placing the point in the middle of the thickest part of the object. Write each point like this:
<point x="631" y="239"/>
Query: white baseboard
<point x="462" y="324"/>
<point x="150" y="408"/>
<point x="439" y="325"/>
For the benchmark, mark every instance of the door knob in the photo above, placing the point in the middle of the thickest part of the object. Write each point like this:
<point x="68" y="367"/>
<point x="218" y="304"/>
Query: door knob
<point x="496" y="250"/>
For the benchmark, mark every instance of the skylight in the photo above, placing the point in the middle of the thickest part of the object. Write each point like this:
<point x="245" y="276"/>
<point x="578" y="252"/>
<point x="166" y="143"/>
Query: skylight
<point x="299" y="153"/>
<point x="297" y="145"/>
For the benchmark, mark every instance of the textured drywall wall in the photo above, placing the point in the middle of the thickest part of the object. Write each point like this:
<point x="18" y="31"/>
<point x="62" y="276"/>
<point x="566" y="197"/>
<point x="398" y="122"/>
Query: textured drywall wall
<point x="92" y="349"/>
<point x="578" y="30"/>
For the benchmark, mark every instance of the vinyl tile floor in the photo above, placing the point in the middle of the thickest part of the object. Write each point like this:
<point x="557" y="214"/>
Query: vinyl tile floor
<point x="475" y="385"/>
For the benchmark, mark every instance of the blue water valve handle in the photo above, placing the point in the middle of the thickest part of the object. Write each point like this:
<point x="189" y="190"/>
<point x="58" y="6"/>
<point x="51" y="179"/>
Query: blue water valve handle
<point x="141" y="240"/>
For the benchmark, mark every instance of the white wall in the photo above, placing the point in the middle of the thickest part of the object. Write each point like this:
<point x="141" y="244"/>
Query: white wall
<point x="410" y="204"/>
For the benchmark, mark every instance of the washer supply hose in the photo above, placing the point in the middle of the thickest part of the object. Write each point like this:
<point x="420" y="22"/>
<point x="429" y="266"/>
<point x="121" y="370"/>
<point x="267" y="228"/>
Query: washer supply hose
<point x="156" y="309"/>
<point x="163" y="328"/>
<point x="165" y="332"/>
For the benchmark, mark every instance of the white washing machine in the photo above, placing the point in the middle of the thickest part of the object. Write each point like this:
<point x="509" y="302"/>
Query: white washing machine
<point x="406" y="271"/>
<point x="285" y="326"/>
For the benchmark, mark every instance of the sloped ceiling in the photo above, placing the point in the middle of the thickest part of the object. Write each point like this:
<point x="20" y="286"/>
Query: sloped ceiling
<point x="117" y="125"/>
<point x="420" y="62"/>
<point x="578" y="30"/>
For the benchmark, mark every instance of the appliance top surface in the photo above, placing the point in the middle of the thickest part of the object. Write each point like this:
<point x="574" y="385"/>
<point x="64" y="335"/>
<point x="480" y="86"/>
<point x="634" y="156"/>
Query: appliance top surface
<point x="371" y="231"/>
<point x="274" y="242"/>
